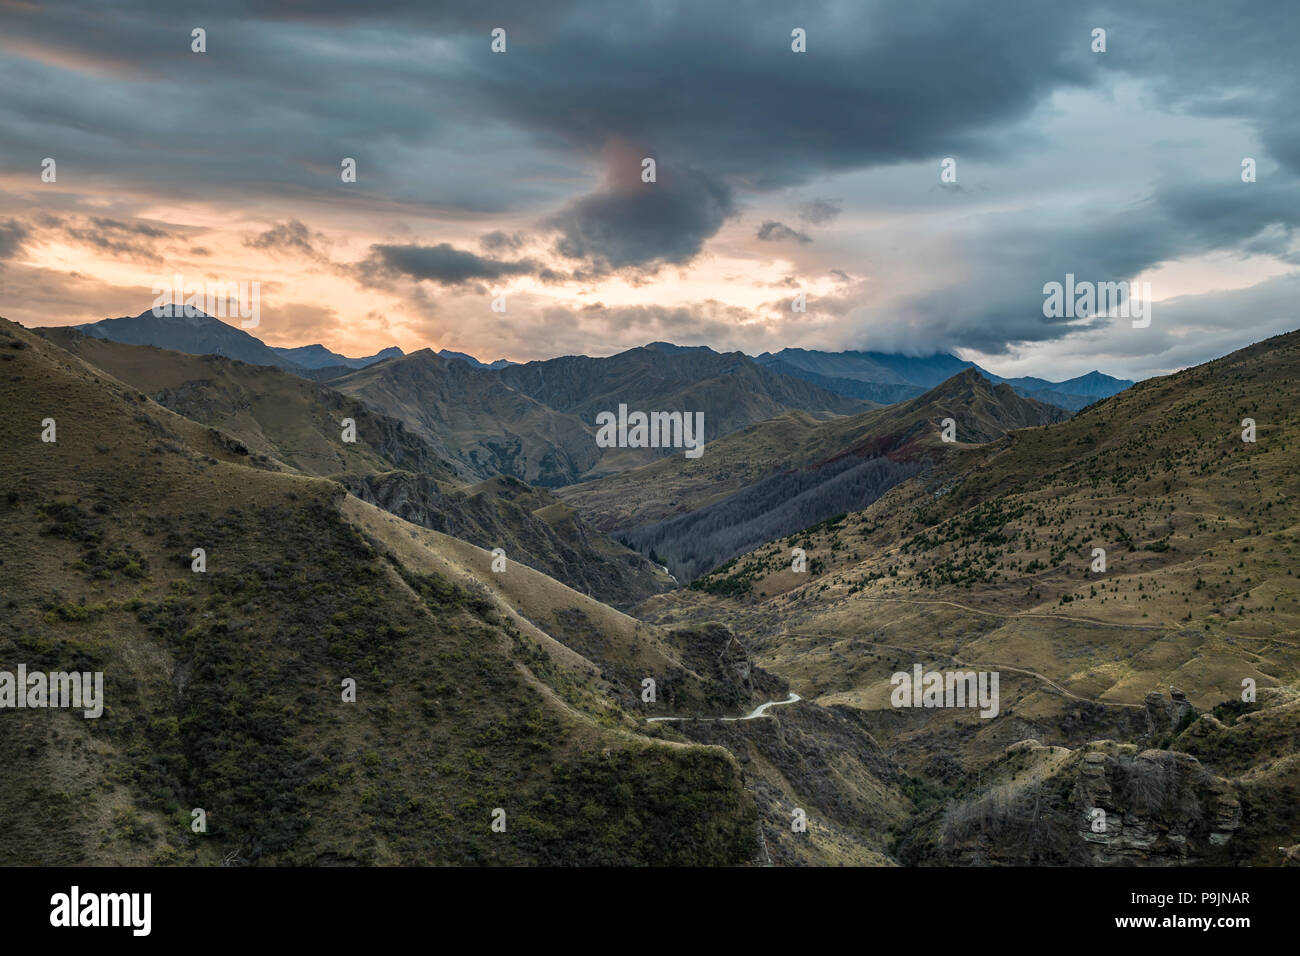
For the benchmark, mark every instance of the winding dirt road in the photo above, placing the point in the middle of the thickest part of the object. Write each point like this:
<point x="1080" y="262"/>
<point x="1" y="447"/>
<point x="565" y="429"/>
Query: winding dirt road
<point x="758" y="711"/>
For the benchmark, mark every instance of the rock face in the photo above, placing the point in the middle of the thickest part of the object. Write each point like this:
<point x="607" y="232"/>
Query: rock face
<point x="1166" y="716"/>
<point x="1105" y="805"/>
<point x="1157" y="807"/>
<point x="735" y="657"/>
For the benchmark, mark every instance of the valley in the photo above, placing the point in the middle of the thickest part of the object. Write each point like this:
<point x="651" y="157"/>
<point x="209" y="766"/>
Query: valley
<point x="501" y="618"/>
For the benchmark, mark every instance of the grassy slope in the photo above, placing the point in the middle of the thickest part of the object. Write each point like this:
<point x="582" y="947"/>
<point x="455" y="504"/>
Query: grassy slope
<point x="223" y="688"/>
<point x="482" y="423"/>
<point x="985" y="562"/>
<point x="273" y="412"/>
<point x="286" y="421"/>
<point x="1200" y="531"/>
<point x="906" y="431"/>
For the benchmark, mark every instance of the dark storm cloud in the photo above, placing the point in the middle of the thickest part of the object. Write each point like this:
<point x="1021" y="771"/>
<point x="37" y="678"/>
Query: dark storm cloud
<point x="1226" y="214"/>
<point x="439" y="125"/>
<point x="641" y="226"/>
<point x="442" y="264"/>
<point x="107" y="91"/>
<point x="773" y="231"/>
<point x="720" y="89"/>
<point x="715" y="88"/>
<point x="1215" y="60"/>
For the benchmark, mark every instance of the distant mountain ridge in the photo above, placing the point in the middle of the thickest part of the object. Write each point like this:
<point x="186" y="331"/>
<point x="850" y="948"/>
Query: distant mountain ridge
<point x="466" y="357"/>
<point x="788" y="473"/>
<point x="887" y="377"/>
<point x="203" y="334"/>
<point x="318" y="356"/>
<point x="536" y="421"/>
<point x="583" y="386"/>
<point x="879" y="377"/>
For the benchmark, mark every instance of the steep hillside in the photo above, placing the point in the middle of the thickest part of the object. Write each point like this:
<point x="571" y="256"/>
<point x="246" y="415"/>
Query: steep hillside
<point x="489" y="427"/>
<point x="988" y="562"/>
<point x="529" y="524"/>
<point x="785" y="475"/>
<point x="285" y="421"/>
<point x="731" y="389"/>
<point x="223" y="690"/>
<point x="1159" y="477"/>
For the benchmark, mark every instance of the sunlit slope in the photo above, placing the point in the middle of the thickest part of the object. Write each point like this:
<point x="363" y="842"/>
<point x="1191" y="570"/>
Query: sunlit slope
<point x="618" y="650"/>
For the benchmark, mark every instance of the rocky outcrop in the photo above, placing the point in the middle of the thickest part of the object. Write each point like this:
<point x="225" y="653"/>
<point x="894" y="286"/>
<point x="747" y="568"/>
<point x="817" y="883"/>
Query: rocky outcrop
<point x="1165" y="717"/>
<point x="1152" y="808"/>
<point x="1105" y="805"/>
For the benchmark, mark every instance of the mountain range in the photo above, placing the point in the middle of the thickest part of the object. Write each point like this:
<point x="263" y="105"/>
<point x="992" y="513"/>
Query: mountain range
<point x="878" y="377"/>
<point x="885" y="377"/>
<point x="221" y="685"/>
<point x="196" y="333"/>
<point x="791" y="472"/>
<point x="535" y="421"/>
<point x="489" y="576"/>
<point x="282" y="422"/>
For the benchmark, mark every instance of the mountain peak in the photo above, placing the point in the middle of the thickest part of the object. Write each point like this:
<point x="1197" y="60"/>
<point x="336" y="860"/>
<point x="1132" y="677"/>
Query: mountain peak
<point x="471" y="360"/>
<point x="969" y="377"/>
<point x="669" y="348"/>
<point x="179" y="313"/>
<point x="190" y="330"/>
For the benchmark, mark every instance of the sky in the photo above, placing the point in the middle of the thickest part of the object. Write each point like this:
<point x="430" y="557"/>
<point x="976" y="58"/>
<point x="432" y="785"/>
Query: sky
<point x="517" y="176"/>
